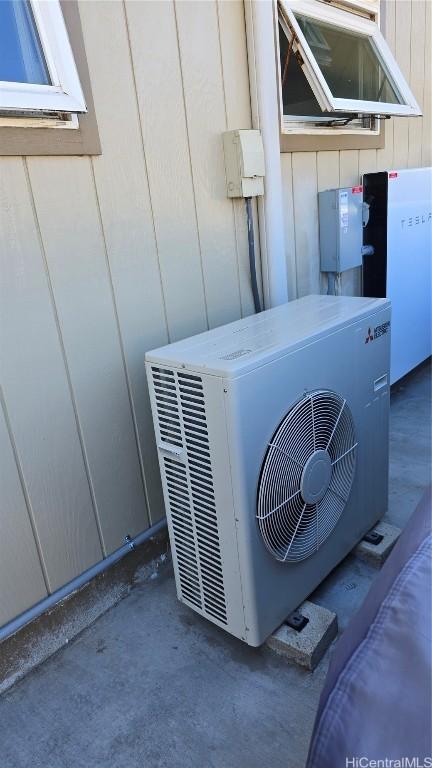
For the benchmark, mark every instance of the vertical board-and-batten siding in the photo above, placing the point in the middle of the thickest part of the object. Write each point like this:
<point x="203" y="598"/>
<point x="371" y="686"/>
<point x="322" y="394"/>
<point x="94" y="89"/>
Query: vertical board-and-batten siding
<point x="101" y="259"/>
<point x="408" y="144"/>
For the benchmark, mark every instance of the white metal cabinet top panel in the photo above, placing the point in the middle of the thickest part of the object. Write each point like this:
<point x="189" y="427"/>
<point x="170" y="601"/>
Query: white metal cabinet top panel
<point x="243" y="345"/>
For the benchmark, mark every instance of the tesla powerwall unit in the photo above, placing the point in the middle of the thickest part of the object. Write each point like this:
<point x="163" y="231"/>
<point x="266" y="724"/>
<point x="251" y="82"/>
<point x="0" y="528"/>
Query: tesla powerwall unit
<point x="400" y="231"/>
<point x="272" y="435"/>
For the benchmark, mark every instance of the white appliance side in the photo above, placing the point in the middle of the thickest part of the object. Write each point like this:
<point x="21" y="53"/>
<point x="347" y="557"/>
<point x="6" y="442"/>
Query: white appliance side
<point x="409" y="260"/>
<point x="244" y="345"/>
<point x="346" y="362"/>
<point x="191" y="435"/>
<point x="215" y="398"/>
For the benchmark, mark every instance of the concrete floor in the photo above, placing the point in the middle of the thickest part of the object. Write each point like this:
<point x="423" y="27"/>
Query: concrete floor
<point x="150" y="684"/>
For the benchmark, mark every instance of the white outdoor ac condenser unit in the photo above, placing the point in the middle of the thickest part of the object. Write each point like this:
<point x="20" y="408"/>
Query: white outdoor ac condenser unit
<point x="272" y="435"/>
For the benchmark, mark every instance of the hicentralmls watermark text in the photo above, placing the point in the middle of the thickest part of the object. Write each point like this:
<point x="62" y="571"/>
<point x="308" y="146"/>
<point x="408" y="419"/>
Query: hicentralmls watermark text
<point x="388" y="762"/>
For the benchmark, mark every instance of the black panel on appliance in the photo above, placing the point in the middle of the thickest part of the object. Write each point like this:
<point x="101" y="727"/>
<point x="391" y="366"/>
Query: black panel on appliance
<point x="375" y="192"/>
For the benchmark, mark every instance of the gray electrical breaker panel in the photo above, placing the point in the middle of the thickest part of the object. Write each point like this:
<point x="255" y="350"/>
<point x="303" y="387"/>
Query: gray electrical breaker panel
<point x="341" y="228"/>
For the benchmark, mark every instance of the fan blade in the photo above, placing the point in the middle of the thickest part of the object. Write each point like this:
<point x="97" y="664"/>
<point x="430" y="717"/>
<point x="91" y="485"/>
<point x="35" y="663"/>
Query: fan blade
<point x="313" y="423"/>
<point x="278" y="448"/>
<point x="275" y="509"/>
<point x="296" y="529"/>
<point x="329" y="510"/>
<point x="335" y="493"/>
<point x="344" y="454"/>
<point x="336" y="424"/>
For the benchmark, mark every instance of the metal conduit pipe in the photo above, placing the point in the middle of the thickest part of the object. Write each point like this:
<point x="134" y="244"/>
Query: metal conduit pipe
<point x="60" y="594"/>
<point x="260" y="34"/>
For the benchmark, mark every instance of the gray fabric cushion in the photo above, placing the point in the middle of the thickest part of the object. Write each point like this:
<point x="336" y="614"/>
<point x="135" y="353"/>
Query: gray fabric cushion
<point x="376" y="702"/>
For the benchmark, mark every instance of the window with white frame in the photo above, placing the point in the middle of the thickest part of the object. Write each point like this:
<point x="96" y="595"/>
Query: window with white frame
<point x="336" y="70"/>
<point x="38" y="75"/>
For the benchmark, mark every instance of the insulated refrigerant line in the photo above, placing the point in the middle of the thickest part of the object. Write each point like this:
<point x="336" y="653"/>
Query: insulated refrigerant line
<point x="252" y="256"/>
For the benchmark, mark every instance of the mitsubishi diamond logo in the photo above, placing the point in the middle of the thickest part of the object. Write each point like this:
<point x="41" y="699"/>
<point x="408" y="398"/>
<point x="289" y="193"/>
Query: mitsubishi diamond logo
<point x="379" y="330"/>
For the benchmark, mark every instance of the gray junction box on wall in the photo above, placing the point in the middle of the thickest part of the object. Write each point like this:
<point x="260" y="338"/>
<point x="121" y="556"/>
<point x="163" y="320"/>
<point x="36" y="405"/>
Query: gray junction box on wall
<point x="341" y="228"/>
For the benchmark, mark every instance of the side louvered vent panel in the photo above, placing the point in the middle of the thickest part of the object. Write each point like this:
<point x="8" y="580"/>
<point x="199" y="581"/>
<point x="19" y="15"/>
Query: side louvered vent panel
<point x="182" y="524"/>
<point x="182" y="424"/>
<point x="203" y="499"/>
<point x="167" y="406"/>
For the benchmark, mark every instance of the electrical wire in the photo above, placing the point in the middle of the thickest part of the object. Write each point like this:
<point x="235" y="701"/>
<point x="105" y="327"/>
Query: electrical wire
<point x="252" y="258"/>
<point x="331" y="283"/>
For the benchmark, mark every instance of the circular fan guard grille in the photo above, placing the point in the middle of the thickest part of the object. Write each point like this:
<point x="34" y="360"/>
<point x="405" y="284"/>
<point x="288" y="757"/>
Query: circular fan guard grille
<point x="306" y="476"/>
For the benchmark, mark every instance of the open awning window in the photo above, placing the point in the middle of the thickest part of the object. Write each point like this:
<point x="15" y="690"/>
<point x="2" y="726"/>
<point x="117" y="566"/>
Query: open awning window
<point x="345" y="59"/>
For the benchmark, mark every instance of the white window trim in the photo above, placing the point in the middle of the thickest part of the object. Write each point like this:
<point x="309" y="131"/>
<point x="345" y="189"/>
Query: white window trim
<point x="359" y="24"/>
<point x="65" y="94"/>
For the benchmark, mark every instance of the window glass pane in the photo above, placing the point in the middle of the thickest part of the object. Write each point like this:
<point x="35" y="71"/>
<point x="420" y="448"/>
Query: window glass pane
<point x="297" y="95"/>
<point x="21" y="55"/>
<point x="349" y="62"/>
